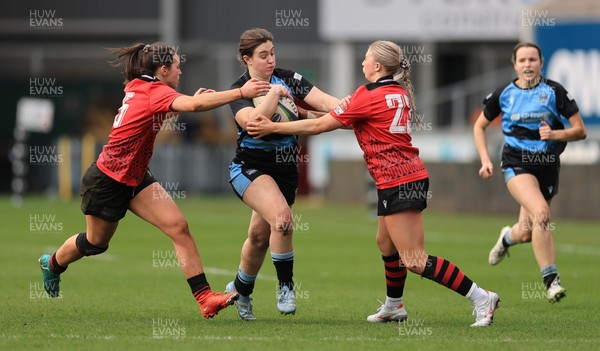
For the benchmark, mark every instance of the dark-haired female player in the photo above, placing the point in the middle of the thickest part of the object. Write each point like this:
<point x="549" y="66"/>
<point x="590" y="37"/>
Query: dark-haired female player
<point x="120" y="180"/>
<point x="380" y="114"/>
<point x="531" y="108"/>
<point x="264" y="172"/>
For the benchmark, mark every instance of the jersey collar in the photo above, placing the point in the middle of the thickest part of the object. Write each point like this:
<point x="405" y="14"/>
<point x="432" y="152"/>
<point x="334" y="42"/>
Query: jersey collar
<point x="385" y="79"/>
<point x="148" y="78"/>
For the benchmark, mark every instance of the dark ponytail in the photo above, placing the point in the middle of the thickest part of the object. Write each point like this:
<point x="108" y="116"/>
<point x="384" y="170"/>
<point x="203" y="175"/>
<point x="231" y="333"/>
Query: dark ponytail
<point x="142" y="59"/>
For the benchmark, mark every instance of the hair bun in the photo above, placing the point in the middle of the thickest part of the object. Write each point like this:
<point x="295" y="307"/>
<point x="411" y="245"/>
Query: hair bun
<point x="405" y="64"/>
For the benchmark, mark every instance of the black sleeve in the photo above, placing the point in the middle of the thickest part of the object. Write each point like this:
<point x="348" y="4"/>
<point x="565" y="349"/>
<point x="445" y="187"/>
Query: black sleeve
<point x="299" y="85"/>
<point x="491" y="104"/>
<point x="239" y="104"/>
<point x="565" y="103"/>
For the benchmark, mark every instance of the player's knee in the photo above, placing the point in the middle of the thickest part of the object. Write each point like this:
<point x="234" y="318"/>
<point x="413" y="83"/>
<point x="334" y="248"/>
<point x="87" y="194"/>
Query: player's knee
<point x="86" y="248"/>
<point x="284" y="223"/>
<point x="177" y="226"/>
<point x="383" y="242"/>
<point x="258" y="239"/>
<point x="540" y="216"/>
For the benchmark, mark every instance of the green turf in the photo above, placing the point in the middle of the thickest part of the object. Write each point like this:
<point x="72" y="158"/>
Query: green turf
<point x="126" y="299"/>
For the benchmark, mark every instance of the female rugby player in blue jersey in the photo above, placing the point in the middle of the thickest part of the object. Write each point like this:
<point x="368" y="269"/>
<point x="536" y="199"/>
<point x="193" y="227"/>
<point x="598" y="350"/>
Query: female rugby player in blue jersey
<point x="531" y="108"/>
<point x="264" y="172"/>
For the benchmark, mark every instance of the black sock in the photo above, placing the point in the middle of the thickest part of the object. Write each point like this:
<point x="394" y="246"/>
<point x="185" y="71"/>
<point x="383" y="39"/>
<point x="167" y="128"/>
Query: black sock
<point x="285" y="273"/>
<point x="395" y="275"/>
<point x="198" y="284"/>
<point x="504" y="243"/>
<point x="549" y="279"/>
<point x="55" y="266"/>
<point x="243" y="288"/>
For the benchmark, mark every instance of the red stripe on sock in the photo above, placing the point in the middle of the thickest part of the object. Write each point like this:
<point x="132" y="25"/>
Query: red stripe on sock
<point x="396" y="274"/>
<point x="438" y="266"/>
<point x="392" y="264"/>
<point x="394" y="284"/>
<point x="458" y="280"/>
<point x="449" y="271"/>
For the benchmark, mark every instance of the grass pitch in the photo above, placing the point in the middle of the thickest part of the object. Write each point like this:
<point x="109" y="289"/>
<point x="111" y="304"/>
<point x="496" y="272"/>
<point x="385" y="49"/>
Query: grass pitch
<point x="134" y="296"/>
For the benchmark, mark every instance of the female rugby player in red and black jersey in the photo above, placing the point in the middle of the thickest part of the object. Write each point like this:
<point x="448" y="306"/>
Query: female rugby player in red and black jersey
<point x="380" y="114"/>
<point x="120" y="180"/>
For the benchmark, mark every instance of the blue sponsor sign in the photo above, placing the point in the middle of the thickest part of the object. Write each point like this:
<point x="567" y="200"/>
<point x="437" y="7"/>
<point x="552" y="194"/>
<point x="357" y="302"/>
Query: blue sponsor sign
<point x="572" y="57"/>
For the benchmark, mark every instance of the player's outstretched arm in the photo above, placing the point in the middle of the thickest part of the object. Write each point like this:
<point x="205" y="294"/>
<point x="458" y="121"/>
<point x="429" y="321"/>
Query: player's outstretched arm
<point x="321" y="101"/>
<point x="208" y="101"/>
<point x="261" y="126"/>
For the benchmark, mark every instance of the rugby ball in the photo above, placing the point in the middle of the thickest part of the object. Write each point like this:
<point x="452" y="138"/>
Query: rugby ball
<point x="286" y="110"/>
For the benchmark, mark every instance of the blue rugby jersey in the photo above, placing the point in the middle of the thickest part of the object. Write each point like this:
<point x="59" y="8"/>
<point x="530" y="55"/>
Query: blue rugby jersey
<point x="523" y="110"/>
<point x="298" y="87"/>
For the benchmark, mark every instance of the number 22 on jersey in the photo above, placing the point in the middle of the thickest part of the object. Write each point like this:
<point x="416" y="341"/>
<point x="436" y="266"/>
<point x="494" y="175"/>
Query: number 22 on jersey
<point x="122" y="110"/>
<point x="400" y="124"/>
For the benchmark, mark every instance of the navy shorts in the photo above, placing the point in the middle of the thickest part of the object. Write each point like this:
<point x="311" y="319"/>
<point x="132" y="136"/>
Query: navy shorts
<point x="406" y="196"/>
<point x="546" y="176"/>
<point x="241" y="176"/>
<point x="104" y="197"/>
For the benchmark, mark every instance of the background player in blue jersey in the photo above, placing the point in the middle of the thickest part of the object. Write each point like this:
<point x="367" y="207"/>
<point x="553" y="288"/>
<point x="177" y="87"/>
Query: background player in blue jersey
<point x="264" y="172"/>
<point x="532" y="108"/>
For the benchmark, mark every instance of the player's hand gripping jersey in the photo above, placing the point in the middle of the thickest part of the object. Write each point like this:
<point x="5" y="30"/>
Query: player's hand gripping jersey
<point x="261" y="153"/>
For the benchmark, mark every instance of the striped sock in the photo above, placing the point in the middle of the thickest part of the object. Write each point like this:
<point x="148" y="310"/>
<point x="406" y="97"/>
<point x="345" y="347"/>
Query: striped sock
<point x="55" y="266"/>
<point x="395" y="275"/>
<point x="284" y="265"/>
<point x="244" y="282"/>
<point x="447" y="274"/>
<point x="549" y="273"/>
<point x="199" y="286"/>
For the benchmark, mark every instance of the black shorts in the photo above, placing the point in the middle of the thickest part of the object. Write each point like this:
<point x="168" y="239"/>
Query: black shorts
<point x="241" y="176"/>
<point x="104" y="197"/>
<point x="411" y="195"/>
<point x="546" y="176"/>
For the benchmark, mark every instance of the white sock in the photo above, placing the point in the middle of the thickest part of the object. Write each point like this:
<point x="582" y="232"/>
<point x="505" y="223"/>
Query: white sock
<point x="476" y="294"/>
<point x="391" y="303"/>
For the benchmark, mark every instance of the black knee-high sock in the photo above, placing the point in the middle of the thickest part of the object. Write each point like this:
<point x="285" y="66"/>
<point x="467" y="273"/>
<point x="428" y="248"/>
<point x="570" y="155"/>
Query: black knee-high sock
<point x="244" y="283"/>
<point x="447" y="274"/>
<point x="284" y="265"/>
<point x="199" y="285"/>
<point x="395" y="275"/>
<point x="55" y="266"/>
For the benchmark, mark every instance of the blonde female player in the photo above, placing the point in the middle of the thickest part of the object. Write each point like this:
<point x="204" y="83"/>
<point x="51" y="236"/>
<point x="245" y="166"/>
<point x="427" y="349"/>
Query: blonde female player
<point x="380" y="114"/>
<point x="120" y="180"/>
<point x="531" y="108"/>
